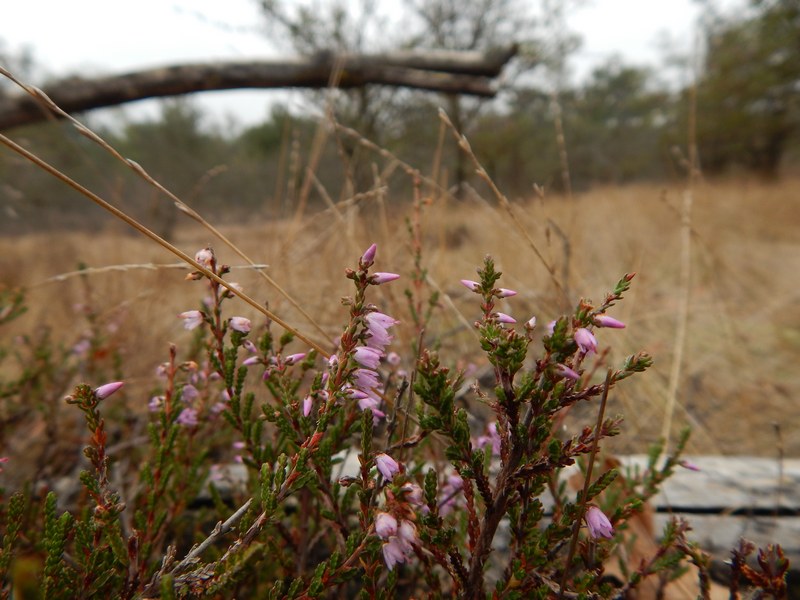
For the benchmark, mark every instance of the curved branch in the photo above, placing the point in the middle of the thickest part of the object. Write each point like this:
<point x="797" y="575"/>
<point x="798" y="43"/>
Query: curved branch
<point x="439" y="71"/>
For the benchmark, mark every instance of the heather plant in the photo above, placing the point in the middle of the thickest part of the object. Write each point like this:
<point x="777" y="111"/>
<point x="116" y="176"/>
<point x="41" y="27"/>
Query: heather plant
<point x="362" y="478"/>
<point x="274" y="466"/>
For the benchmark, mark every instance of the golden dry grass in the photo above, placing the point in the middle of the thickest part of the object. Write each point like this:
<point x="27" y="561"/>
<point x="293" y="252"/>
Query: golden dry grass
<point x="743" y="331"/>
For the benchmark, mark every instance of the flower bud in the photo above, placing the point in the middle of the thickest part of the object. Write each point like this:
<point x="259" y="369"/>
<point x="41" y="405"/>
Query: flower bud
<point x="104" y="391"/>
<point x="606" y="321"/>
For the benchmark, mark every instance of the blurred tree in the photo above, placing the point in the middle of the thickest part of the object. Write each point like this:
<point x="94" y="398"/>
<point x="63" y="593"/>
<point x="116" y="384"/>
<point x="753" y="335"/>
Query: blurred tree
<point x="748" y="97"/>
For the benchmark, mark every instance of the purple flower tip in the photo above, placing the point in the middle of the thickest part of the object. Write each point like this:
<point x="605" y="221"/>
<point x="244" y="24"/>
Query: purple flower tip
<point x="294" y="358"/>
<point x="387" y="466"/>
<point x="689" y="465"/>
<point x="585" y="340"/>
<point x="385" y="525"/>
<point x="505" y="293"/>
<point x="308" y="403"/>
<point x="104" y="391"/>
<point x="191" y="318"/>
<point x="240" y="324"/>
<point x="471" y="285"/>
<point x="379" y="278"/>
<point x="504" y="318"/>
<point x="606" y="321"/>
<point x="565" y="371"/>
<point x="598" y="523"/>
<point x="369" y="255"/>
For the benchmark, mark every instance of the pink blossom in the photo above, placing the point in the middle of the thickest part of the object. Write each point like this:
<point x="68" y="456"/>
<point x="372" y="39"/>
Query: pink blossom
<point x="606" y="321"/>
<point x="530" y="323"/>
<point x="308" y="403"/>
<point x="407" y="532"/>
<point x="686" y="464"/>
<point x="191" y="318"/>
<point x="155" y="403"/>
<point x="506" y="319"/>
<point x="551" y="327"/>
<point x="250" y="347"/>
<point x="369" y="255"/>
<point x="253" y="360"/>
<point x="471" y="285"/>
<point x="394" y="552"/>
<point x="188" y="418"/>
<point x="450" y="494"/>
<point x="585" y="340"/>
<point x="393" y="358"/>
<point x="379" y="278"/>
<point x="294" y="358"/>
<point x="492" y="438"/>
<point x="368" y="357"/>
<point x="413" y="493"/>
<point x="204" y="257"/>
<point x="378" y="325"/>
<point x="240" y="324"/>
<point x="189" y="393"/>
<point x="598" y="523"/>
<point x="385" y="525"/>
<point x="505" y="293"/>
<point x="366" y="380"/>
<point x="565" y="371"/>
<point x="387" y="466"/>
<point x="104" y="391"/>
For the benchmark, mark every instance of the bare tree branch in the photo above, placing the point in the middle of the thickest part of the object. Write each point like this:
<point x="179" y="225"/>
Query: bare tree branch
<point x="440" y="71"/>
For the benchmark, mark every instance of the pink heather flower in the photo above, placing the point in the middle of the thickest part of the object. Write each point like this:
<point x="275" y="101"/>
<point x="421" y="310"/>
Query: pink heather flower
<point x="505" y="293"/>
<point x="380" y="319"/>
<point x="551" y="327"/>
<point x="492" y="438"/>
<point x="394" y="552"/>
<point x="104" y="391"/>
<point x="253" y="360"/>
<point x="530" y="323"/>
<point x="308" y="403"/>
<point x="473" y="286"/>
<point x="250" y="347"/>
<point x="606" y="321"/>
<point x="598" y="523"/>
<point x="379" y="278"/>
<point x="240" y="324"/>
<point x="565" y="371"/>
<point x="191" y="318"/>
<point x="188" y="418"/>
<point x="189" y="393"/>
<point x="689" y="465"/>
<point x="393" y="358"/>
<point x="155" y="403"/>
<point x="385" y="525"/>
<point x="294" y="358"/>
<point x="238" y="445"/>
<point x="450" y="494"/>
<point x="387" y="466"/>
<point x="413" y="493"/>
<point x="585" y="340"/>
<point x="407" y="532"/>
<point x="369" y="255"/>
<point x="368" y="357"/>
<point x="366" y="380"/>
<point x="506" y="319"/>
<point x="204" y="257"/>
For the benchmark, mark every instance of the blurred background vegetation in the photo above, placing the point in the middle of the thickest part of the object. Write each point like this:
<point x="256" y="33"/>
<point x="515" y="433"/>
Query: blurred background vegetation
<point x="622" y="124"/>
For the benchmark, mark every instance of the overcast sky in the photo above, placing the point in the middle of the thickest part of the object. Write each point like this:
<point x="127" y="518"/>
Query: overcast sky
<point x="106" y="36"/>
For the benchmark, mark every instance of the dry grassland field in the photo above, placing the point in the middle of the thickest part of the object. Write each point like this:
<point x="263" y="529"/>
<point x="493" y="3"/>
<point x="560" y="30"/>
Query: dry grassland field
<point x="738" y="374"/>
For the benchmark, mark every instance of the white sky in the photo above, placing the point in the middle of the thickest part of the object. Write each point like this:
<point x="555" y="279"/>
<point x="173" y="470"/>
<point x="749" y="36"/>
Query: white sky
<point x="107" y="36"/>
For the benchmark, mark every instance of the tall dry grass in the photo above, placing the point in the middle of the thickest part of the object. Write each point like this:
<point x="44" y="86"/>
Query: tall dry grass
<point x="743" y="329"/>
